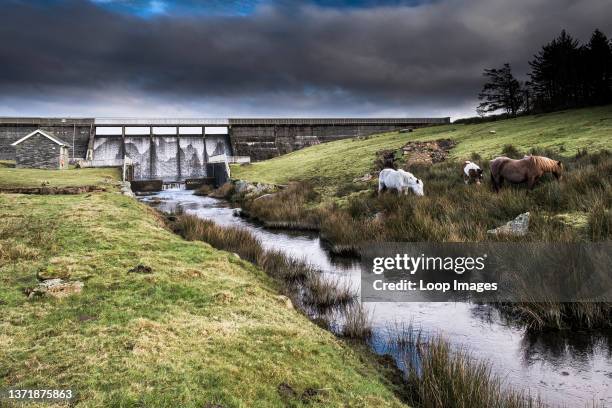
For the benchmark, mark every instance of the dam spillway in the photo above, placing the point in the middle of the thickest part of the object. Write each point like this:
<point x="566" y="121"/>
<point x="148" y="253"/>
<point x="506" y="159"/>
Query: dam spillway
<point x="179" y="149"/>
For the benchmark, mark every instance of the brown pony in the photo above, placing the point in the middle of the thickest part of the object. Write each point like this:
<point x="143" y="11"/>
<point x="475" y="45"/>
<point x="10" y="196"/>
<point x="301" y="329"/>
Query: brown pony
<point x="528" y="169"/>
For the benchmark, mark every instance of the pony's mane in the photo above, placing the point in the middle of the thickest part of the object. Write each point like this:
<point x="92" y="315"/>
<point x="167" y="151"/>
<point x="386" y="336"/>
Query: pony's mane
<point x="545" y="163"/>
<point x="409" y="177"/>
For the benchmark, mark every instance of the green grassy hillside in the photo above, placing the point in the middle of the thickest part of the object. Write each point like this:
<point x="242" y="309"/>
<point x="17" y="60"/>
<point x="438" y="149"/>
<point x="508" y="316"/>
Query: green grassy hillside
<point x="204" y="328"/>
<point x="565" y="132"/>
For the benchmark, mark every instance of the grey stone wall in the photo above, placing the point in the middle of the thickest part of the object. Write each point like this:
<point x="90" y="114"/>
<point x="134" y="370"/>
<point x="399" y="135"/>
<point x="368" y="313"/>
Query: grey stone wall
<point x="11" y="132"/>
<point x="38" y="152"/>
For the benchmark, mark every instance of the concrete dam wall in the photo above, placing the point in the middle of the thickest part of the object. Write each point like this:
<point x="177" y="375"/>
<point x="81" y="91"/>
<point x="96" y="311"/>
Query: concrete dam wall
<point x="168" y="158"/>
<point x="263" y="139"/>
<point x="177" y="149"/>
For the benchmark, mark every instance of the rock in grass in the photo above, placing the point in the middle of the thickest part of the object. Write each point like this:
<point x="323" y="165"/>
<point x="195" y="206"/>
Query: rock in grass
<point x="284" y="300"/>
<point x="517" y="227"/>
<point x="57" y="288"/>
<point x="253" y="189"/>
<point x="365" y="178"/>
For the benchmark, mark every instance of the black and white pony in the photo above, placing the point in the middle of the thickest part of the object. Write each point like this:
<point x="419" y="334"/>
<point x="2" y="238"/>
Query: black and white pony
<point x="472" y="173"/>
<point x="399" y="180"/>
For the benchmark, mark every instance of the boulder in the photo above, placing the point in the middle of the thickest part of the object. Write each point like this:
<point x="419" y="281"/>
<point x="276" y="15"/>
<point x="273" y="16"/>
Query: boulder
<point x="517" y="227"/>
<point x="253" y="189"/>
<point x="284" y="300"/>
<point x="242" y="186"/>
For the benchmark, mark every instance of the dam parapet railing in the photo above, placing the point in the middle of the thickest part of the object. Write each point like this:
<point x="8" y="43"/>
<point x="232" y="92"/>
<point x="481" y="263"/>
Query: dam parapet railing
<point x="231" y="159"/>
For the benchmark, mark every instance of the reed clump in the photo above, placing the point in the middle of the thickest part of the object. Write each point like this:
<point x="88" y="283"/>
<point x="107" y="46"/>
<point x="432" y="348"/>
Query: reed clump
<point x="357" y="323"/>
<point x="438" y="376"/>
<point x="290" y="207"/>
<point x="224" y="191"/>
<point x="325" y="293"/>
<point x="237" y="240"/>
<point x="203" y="190"/>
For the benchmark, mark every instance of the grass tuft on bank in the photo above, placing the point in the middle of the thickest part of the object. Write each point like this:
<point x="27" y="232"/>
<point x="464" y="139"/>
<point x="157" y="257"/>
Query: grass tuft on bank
<point x="204" y="328"/>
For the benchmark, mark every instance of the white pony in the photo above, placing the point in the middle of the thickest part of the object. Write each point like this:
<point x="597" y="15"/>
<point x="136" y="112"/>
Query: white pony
<point x="400" y="180"/>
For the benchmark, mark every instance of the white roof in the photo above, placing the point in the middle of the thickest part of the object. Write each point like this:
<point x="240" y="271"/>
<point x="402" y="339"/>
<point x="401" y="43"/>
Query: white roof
<point x="42" y="132"/>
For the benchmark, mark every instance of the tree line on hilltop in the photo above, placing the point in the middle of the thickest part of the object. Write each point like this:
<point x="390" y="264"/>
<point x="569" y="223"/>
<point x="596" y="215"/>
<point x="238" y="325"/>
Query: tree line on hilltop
<point x="564" y="74"/>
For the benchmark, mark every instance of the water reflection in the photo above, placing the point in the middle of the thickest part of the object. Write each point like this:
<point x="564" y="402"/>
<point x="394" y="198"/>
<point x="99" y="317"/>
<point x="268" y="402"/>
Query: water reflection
<point x="560" y="348"/>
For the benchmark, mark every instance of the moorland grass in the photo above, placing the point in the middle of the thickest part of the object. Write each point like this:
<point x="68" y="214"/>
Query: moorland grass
<point x="13" y="178"/>
<point x="577" y="209"/>
<point x="203" y="329"/>
<point x="288" y="208"/>
<point x="454" y="212"/>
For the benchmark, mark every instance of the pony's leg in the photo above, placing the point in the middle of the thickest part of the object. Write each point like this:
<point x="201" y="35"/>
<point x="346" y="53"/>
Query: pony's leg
<point x="532" y="182"/>
<point x="381" y="187"/>
<point x="494" y="182"/>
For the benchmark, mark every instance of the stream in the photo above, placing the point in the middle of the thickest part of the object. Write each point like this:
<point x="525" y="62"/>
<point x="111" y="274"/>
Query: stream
<point x="564" y="369"/>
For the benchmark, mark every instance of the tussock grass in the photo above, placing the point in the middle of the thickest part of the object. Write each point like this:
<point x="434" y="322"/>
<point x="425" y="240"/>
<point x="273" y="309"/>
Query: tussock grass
<point x="224" y="191"/>
<point x="438" y="376"/>
<point x="238" y="240"/>
<point x="453" y="212"/>
<point x="287" y="208"/>
<point x="203" y="190"/>
<point x="600" y="223"/>
<point x="289" y="270"/>
<point x="324" y="293"/>
<point x="357" y="323"/>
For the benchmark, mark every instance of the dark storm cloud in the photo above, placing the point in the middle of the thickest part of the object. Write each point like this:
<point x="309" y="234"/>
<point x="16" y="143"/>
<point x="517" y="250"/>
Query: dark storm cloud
<point x="291" y="59"/>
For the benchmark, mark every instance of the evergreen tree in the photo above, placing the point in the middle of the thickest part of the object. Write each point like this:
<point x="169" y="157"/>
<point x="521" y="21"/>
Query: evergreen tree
<point x="599" y="69"/>
<point x="502" y="91"/>
<point x="557" y="72"/>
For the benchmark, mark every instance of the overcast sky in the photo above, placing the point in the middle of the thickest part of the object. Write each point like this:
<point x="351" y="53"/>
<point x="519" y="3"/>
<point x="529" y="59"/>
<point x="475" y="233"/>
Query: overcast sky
<point x="223" y="58"/>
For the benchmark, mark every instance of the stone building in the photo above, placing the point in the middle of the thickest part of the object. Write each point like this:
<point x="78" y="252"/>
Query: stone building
<point x="41" y="150"/>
